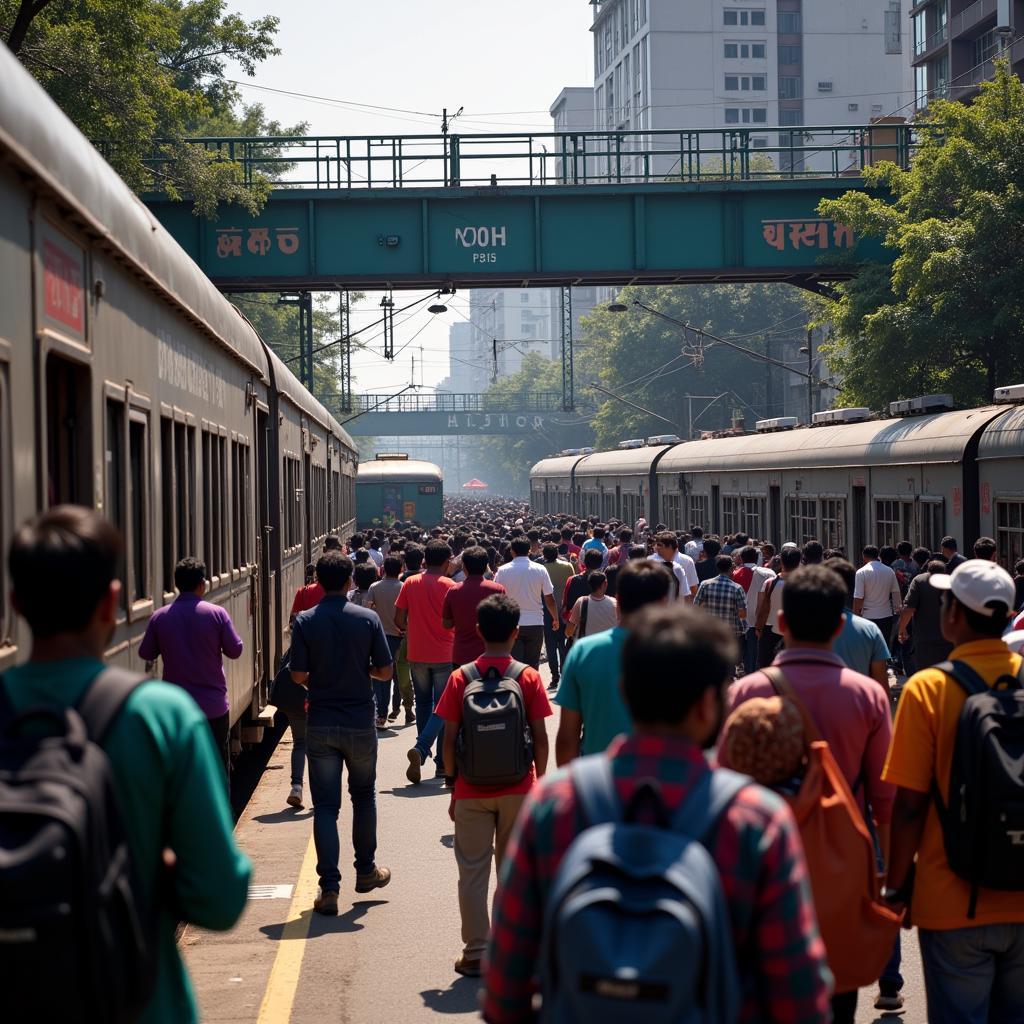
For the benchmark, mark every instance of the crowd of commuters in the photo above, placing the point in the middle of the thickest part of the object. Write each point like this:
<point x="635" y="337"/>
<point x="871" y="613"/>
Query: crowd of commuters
<point x="676" y="660"/>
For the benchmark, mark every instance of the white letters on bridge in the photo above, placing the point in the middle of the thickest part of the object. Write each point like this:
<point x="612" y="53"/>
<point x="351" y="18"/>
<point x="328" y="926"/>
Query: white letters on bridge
<point x="480" y="237"/>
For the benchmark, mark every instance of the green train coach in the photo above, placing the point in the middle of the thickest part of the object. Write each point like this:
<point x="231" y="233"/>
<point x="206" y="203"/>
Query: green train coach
<point x="394" y="487"/>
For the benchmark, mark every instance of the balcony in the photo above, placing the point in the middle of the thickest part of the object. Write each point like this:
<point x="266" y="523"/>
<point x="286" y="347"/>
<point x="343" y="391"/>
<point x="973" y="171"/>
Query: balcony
<point x="924" y="49"/>
<point x="967" y="19"/>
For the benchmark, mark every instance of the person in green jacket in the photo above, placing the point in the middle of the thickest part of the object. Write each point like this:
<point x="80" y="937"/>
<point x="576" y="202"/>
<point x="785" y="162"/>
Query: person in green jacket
<point x="167" y="773"/>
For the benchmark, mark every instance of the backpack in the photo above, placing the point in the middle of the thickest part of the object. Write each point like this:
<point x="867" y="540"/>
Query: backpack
<point x="636" y="926"/>
<point x="495" y="744"/>
<point x="983" y="825"/>
<point x="78" y="941"/>
<point x="859" y="931"/>
<point x="286" y="694"/>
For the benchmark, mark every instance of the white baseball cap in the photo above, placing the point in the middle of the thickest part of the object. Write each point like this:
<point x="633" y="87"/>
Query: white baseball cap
<point x="977" y="582"/>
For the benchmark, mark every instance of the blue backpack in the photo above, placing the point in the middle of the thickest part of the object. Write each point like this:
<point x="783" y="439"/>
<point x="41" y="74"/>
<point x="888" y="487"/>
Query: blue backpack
<point x="636" y="925"/>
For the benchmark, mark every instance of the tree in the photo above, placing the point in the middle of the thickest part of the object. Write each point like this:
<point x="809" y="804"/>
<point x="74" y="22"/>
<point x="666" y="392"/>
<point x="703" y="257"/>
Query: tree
<point x="658" y="365"/>
<point x="139" y="76"/>
<point x="511" y="457"/>
<point x="948" y="314"/>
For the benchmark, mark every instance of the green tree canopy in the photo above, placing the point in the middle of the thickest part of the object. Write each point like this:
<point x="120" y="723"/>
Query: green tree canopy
<point x="658" y="365"/>
<point x="140" y="76"/>
<point x="948" y="315"/>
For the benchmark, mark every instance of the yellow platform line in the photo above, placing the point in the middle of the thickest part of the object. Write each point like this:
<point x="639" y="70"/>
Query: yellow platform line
<point x="279" y="997"/>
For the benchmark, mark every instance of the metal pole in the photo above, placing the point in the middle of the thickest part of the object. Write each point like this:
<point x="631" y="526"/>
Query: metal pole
<point x="568" y="383"/>
<point x="810" y="376"/>
<point x="769" y="397"/>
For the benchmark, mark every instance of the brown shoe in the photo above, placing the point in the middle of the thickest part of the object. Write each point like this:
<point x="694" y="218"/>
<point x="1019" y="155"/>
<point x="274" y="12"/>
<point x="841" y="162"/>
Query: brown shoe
<point x="412" y="773"/>
<point x="376" y="879"/>
<point x="326" y="903"/>
<point x="467" y="968"/>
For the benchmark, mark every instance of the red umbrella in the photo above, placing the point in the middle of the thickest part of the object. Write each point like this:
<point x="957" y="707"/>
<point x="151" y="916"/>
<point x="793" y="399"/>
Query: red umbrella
<point x="474" y="485"/>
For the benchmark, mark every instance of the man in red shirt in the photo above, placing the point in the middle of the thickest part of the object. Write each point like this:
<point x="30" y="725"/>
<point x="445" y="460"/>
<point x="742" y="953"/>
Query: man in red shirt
<point x="418" y="609"/>
<point x="460" y="604"/>
<point x="484" y="816"/>
<point x="308" y="596"/>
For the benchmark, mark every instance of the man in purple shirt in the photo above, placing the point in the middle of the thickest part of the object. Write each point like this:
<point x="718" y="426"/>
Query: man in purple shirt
<point x="191" y="635"/>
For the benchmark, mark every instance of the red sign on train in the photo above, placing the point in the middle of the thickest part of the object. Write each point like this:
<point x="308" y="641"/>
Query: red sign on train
<point x="63" y="291"/>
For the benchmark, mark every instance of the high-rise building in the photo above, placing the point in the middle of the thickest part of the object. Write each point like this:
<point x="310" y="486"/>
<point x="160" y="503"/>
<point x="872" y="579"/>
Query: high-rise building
<point x="956" y="43"/>
<point x="692" y="64"/>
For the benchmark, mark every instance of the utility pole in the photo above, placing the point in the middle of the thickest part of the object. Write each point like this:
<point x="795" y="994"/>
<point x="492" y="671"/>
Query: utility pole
<point x="810" y="375"/>
<point x="446" y="123"/>
<point x="568" y="383"/>
<point x="388" y="305"/>
<point x="769" y="397"/>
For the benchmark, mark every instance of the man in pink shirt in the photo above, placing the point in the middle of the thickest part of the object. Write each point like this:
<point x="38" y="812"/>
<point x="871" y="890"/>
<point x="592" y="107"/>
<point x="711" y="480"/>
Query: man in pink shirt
<point x="850" y="710"/>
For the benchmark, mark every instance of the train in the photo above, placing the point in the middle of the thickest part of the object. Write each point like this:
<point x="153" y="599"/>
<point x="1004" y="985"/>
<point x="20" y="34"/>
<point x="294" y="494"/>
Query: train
<point x="920" y="472"/>
<point x="129" y="384"/>
<point x="392" y="487"/>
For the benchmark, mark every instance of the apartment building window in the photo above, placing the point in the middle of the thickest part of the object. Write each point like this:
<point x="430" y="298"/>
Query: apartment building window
<point x="790" y="23"/>
<point x="745" y="51"/>
<point x="790" y="117"/>
<point x="743" y="18"/>
<point x="746" y="115"/>
<point x="893" y="32"/>
<point x="642" y="4"/>
<point x="791" y="87"/>
<point x="634" y="15"/>
<point x="789" y="54"/>
<point x="986" y="47"/>
<point x="745" y="83"/>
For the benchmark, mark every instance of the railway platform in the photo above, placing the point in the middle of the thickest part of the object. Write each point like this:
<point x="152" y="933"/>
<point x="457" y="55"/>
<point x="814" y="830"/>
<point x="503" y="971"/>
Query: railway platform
<point x="387" y="957"/>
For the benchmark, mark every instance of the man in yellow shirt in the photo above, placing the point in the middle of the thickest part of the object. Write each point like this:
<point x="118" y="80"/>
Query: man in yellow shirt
<point x="972" y="938"/>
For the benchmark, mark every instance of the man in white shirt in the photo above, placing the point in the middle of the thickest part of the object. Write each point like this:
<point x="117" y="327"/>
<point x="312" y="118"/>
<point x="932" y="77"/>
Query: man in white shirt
<point x="695" y="545"/>
<point x="529" y="585"/>
<point x="876" y="593"/>
<point x="666" y="549"/>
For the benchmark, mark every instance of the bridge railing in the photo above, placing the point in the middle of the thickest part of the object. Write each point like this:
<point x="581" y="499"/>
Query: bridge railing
<point x="539" y="402"/>
<point x="740" y="153"/>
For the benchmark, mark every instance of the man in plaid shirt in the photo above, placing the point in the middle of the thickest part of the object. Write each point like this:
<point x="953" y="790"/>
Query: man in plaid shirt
<point x="756" y="846"/>
<point x="724" y="598"/>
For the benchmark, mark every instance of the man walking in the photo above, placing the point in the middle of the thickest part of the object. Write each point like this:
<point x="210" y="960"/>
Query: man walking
<point x="191" y="636"/>
<point x="723" y="598"/>
<point x="166" y="771"/>
<point x="876" y="593"/>
<point x="752" y="578"/>
<point x="666" y="549"/>
<point x="971" y="933"/>
<point x="337" y="648"/>
<point x="676" y="713"/>
<point x="383" y="595"/>
<point x="561" y="572"/>
<point x="529" y="585"/>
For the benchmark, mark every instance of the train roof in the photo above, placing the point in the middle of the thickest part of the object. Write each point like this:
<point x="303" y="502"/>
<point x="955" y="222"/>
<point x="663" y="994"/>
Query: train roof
<point x="398" y="471"/>
<point x="560" y="465"/>
<point x="1004" y="437"/>
<point x="621" y="461"/>
<point x="939" y="438"/>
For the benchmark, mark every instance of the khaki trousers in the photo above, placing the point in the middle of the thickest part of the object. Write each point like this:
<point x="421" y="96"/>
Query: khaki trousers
<point x="482" y="828"/>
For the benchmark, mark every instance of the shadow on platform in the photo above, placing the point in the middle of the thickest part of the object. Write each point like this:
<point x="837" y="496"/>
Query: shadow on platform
<point x="319" y="925"/>
<point x="462" y="996"/>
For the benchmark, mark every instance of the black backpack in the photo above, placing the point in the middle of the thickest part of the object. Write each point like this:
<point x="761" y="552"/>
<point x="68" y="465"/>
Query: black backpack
<point x="76" y="942"/>
<point x="495" y="744"/>
<point x="983" y="825"/>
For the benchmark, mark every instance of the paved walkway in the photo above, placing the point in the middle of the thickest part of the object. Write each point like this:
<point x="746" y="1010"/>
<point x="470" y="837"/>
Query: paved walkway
<point x="388" y="956"/>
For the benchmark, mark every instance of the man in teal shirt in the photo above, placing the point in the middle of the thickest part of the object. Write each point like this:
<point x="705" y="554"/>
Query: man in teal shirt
<point x="167" y="774"/>
<point x="593" y="711"/>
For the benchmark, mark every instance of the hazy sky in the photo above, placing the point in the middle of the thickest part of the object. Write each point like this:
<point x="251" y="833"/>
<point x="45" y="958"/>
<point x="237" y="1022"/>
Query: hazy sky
<point x="503" y="62"/>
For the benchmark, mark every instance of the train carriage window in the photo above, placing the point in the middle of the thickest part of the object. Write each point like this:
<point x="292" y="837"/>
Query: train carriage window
<point x="833" y="523"/>
<point x="894" y="520"/>
<point x="168" y="501"/>
<point x="215" y="511"/>
<point x="933" y="523"/>
<point x="138" y="504"/>
<point x="730" y="514"/>
<point x="68" y="433"/>
<point x="671" y="513"/>
<point x="115" y="463"/>
<point x="700" y="515"/>
<point x="241" y="489"/>
<point x="752" y="517"/>
<point x="803" y="520"/>
<point x="1010" y="531"/>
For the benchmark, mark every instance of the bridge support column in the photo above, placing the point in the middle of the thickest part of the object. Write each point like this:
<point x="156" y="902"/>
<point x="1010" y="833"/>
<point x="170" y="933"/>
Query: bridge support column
<point x="568" y="386"/>
<point x="345" y="355"/>
<point x="306" y="339"/>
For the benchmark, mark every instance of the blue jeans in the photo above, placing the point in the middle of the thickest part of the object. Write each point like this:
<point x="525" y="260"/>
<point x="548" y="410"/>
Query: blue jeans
<point x="430" y="732"/>
<point x="329" y="749"/>
<point x="297" y="723"/>
<point x="382" y="691"/>
<point x="974" y="975"/>
<point x="554" y="647"/>
<point x="428" y="683"/>
<point x="891" y="976"/>
<point x="749" y="648"/>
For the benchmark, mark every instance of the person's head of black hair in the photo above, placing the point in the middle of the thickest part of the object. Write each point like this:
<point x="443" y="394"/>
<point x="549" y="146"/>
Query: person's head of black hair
<point x="73" y="547"/>
<point x="550" y="552"/>
<point x="813" y="552"/>
<point x="790" y="559"/>
<point x="474" y="561"/>
<point x="334" y="571"/>
<point x="1018" y="567"/>
<point x="625" y="535"/>
<point x="596" y="580"/>
<point x="437" y="554"/>
<point x="667" y="539"/>
<point x="985" y="548"/>
<point x="365" y="575"/>
<point x="189" y="575"/>
<point x="696" y="532"/>
<point x="356" y="542"/>
<point x="905" y="549"/>
<point x="937" y="565"/>
<point x="497" y="618"/>
<point x="641" y="582"/>
<point x="748" y="556"/>
<point x="846" y="572"/>
<point x="579" y="539"/>
<point x="742" y="539"/>
<point x="767" y="551"/>
<point x="711" y="547"/>
<point x="598" y="533"/>
<point x="592" y="559"/>
<point x="922" y="556"/>
<point x="332" y="543"/>
<point x="672" y="655"/>
<point x="636" y="551"/>
<point x="813" y="602"/>
<point x="723" y="565"/>
<point x="871" y="552"/>
<point x="948" y="543"/>
<point x="533" y="536"/>
<point x="566" y="533"/>
<point x="413" y="557"/>
<point x="887" y="554"/>
<point x="520" y="546"/>
<point x="392" y="566"/>
<point x="361" y="556"/>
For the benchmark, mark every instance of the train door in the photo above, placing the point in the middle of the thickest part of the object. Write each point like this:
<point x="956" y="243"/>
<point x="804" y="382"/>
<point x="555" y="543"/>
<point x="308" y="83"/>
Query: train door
<point x="716" y="508"/>
<point x="775" y="512"/>
<point x="859" y="520"/>
<point x="67" y="433"/>
<point x="306" y="506"/>
<point x="266" y="656"/>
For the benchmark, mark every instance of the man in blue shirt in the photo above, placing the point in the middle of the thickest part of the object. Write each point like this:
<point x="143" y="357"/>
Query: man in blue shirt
<point x="593" y="711"/>
<point x="596" y="543"/>
<point x="860" y="645"/>
<point x="337" y="648"/>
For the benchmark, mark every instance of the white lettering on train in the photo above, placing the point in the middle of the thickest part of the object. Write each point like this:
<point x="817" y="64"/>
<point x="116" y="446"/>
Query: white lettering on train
<point x="183" y="369"/>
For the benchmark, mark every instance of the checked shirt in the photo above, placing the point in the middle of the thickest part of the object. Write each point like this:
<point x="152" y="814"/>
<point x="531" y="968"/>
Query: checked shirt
<point x="724" y="599"/>
<point x="756" y="846"/>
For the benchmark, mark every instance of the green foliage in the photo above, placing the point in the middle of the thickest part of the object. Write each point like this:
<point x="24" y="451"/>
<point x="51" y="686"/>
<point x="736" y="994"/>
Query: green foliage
<point x="142" y="75"/>
<point x="948" y="315"/>
<point x="641" y="357"/>
<point x="510" y="458"/>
